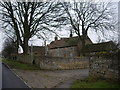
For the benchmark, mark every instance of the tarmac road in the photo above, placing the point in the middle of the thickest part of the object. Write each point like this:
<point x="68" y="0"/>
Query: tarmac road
<point x="10" y="80"/>
<point x="0" y="74"/>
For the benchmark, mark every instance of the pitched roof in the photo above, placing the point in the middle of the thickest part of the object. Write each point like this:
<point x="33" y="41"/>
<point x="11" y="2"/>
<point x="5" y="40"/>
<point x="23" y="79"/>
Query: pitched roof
<point x="65" y="42"/>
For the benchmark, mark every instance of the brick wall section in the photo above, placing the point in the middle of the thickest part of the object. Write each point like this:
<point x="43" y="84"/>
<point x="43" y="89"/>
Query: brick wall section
<point x="54" y="63"/>
<point x="104" y="67"/>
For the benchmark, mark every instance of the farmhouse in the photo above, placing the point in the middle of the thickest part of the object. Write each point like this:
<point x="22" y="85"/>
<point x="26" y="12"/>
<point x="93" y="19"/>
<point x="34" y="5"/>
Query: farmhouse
<point x="66" y="47"/>
<point x="71" y="47"/>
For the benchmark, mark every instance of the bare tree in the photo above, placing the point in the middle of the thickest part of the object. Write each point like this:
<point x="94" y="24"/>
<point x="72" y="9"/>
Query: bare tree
<point x="26" y="19"/>
<point x="88" y="15"/>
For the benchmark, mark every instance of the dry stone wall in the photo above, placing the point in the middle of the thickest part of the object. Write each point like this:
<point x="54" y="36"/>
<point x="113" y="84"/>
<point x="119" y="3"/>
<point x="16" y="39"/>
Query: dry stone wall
<point x="52" y="63"/>
<point x="107" y="68"/>
<point x="23" y="58"/>
<point x="61" y="63"/>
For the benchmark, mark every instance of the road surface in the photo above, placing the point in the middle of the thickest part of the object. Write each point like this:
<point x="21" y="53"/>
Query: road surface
<point x="51" y="78"/>
<point x="0" y="74"/>
<point x="10" y="80"/>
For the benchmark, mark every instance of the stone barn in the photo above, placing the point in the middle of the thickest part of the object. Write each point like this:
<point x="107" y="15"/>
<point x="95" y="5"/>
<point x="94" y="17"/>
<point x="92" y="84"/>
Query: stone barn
<point x="66" y="47"/>
<point x="109" y="46"/>
<point x="38" y="50"/>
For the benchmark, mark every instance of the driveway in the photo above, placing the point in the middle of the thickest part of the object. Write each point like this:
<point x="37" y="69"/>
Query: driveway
<point x="51" y="79"/>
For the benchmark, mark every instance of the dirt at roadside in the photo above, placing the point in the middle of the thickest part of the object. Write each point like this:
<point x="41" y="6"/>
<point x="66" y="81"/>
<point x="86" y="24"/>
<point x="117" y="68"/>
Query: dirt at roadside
<point x="50" y="79"/>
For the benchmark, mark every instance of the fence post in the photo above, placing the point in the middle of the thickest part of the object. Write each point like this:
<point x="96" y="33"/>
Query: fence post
<point x="32" y="53"/>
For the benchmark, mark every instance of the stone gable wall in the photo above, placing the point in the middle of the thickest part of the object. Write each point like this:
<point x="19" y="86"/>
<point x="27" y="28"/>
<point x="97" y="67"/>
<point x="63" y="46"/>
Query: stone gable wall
<point x="63" y="52"/>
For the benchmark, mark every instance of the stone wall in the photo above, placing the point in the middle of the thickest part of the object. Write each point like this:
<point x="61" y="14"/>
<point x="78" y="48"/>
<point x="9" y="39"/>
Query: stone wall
<point x="105" y="67"/>
<point x="23" y="58"/>
<point x="61" y="63"/>
<point x="53" y="63"/>
<point x="63" y="52"/>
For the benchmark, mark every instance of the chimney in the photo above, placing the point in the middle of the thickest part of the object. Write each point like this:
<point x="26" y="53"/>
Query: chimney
<point x="56" y="38"/>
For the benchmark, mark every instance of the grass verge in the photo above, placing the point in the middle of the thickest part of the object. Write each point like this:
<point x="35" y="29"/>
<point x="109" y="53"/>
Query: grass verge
<point x="18" y="65"/>
<point x="94" y="83"/>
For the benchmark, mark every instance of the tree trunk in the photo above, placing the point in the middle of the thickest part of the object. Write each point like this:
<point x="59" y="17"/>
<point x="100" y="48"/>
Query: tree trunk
<point x="26" y="33"/>
<point x="25" y="46"/>
<point x="17" y="45"/>
<point x="82" y="45"/>
<point x="84" y="34"/>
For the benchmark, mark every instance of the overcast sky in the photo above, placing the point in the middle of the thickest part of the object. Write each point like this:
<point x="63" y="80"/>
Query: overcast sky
<point x="93" y="36"/>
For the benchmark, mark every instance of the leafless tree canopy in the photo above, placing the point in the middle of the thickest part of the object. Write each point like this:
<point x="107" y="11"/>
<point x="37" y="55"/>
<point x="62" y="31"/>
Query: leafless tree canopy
<point x="88" y="15"/>
<point x="26" y="19"/>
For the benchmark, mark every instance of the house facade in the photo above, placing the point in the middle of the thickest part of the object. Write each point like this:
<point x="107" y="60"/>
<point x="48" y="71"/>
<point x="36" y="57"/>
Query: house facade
<point x="66" y="47"/>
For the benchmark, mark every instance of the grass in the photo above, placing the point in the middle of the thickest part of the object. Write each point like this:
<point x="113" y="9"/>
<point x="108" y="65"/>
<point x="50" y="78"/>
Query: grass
<point x="18" y="65"/>
<point x="94" y="83"/>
